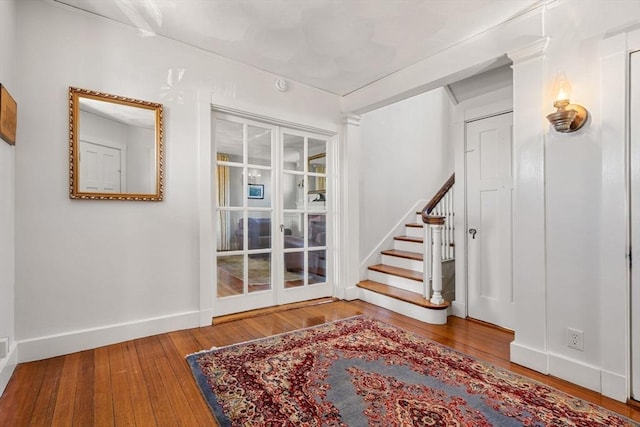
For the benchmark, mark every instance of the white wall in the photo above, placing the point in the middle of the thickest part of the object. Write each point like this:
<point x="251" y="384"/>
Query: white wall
<point x="406" y="157"/>
<point x="93" y="272"/>
<point x="582" y="292"/>
<point x="7" y="196"/>
<point x="564" y="178"/>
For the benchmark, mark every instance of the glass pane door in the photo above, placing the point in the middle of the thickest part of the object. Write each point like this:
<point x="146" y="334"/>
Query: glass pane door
<point x="304" y="216"/>
<point x="244" y="214"/>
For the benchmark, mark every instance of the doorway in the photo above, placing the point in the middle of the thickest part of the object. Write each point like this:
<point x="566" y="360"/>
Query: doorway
<point x="272" y="193"/>
<point x="489" y="175"/>
<point x="634" y="133"/>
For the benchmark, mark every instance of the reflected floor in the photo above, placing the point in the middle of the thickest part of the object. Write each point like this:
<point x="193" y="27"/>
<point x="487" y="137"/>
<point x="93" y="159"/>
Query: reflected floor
<point x="230" y="275"/>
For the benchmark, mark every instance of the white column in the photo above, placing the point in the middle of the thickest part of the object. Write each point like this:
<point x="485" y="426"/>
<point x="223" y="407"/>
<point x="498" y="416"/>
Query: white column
<point x="436" y="223"/>
<point x="529" y="210"/>
<point x="348" y="255"/>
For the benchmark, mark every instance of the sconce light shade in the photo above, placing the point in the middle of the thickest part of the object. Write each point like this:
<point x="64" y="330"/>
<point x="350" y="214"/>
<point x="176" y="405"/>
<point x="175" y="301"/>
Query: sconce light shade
<point x="567" y="117"/>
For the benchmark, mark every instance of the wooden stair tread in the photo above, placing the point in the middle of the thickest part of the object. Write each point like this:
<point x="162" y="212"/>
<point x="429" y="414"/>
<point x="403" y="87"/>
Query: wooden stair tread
<point x="401" y="294"/>
<point x="414" y="225"/>
<point x="403" y="254"/>
<point x="409" y="239"/>
<point x="397" y="271"/>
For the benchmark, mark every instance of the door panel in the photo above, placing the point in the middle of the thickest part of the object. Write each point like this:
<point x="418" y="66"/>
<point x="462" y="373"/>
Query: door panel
<point x="635" y="222"/>
<point x="489" y="193"/>
<point x="244" y="220"/>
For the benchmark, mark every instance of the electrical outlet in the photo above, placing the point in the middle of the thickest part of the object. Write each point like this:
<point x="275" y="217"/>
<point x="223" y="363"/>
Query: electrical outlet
<point x="575" y="339"/>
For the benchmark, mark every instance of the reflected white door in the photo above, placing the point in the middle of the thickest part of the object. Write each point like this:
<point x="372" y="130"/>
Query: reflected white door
<point x="489" y="193"/>
<point x="635" y="223"/>
<point x="100" y="168"/>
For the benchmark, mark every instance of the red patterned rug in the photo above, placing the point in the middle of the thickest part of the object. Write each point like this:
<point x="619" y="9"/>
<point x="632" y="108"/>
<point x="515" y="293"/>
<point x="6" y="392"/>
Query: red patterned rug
<point x="363" y="372"/>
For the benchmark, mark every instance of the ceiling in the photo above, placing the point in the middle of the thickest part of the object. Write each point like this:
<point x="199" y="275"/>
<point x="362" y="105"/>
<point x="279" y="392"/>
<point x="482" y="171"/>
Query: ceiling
<point x="335" y="45"/>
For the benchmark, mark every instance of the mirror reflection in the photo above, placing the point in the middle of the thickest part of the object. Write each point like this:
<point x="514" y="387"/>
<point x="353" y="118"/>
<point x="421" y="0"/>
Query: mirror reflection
<point x="116" y="147"/>
<point x="317" y="165"/>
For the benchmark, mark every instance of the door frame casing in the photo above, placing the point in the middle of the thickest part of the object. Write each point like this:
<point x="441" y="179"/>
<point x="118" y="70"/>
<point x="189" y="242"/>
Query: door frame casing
<point x="509" y="319"/>
<point x="491" y="104"/>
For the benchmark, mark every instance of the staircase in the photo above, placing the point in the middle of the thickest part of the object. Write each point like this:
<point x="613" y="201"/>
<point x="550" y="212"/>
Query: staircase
<point x="398" y="282"/>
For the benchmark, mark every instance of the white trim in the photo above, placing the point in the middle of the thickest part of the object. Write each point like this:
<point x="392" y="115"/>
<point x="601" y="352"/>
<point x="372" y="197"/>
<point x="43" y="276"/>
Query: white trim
<point x="271" y="120"/>
<point x="85" y="339"/>
<point x="529" y="357"/>
<point x="458" y="309"/>
<point x="205" y="208"/>
<point x="614" y="385"/>
<point x="7" y="366"/>
<point x="576" y="372"/>
<point x="351" y="293"/>
<point x="531" y="51"/>
<point x="491" y="104"/>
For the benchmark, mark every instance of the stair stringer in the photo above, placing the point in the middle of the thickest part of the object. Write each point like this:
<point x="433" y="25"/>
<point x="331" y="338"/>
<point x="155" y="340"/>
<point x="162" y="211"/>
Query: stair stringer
<point x="432" y="316"/>
<point x="374" y="257"/>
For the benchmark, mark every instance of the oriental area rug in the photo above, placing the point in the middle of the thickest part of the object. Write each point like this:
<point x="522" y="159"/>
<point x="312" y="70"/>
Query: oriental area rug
<point x="363" y="372"/>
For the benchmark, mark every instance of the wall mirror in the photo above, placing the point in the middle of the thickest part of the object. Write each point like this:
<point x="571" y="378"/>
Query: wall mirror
<point x="317" y="165"/>
<point x="115" y="147"/>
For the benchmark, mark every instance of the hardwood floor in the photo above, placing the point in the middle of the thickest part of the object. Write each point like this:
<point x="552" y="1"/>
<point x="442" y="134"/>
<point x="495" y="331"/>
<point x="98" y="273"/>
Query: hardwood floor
<point x="146" y="382"/>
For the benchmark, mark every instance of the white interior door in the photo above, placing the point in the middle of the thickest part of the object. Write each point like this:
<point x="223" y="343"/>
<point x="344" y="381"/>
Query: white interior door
<point x="272" y="228"/>
<point x="100" y="168"/>
<point x="635" y="222"/>
<point x="489" y="193"/>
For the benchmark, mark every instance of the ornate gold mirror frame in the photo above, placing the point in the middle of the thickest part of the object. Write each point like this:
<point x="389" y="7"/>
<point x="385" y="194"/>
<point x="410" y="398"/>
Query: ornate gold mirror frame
<point x="116" y="149"/>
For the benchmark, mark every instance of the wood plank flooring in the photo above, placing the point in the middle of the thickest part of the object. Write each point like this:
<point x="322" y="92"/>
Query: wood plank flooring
<point x="146" y="382"/>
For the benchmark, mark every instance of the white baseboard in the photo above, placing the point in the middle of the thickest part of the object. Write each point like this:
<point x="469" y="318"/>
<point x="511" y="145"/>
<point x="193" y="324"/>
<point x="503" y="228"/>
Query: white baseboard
<point x="351" y="293"/>
<point x="529" y="357"/>
<point x="206" y="317"/>
<point x="614" y="386"/>
<point x="607" y="383"/>
<point x="458" y="309"/>
<point x="574" y="371"/>
<point x="7" y="366"/>
<point x="85" y="339"/>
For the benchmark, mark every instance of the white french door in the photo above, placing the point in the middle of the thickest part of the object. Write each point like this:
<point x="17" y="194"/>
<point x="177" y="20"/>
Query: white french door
<point x="634" y="134"/>
<point x="489" y="175"/>
<point x="271" y="215"/>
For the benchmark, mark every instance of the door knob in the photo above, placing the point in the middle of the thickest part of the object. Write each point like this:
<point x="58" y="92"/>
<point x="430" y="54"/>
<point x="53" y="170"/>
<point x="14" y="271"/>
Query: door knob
<point x="473" y="232"/>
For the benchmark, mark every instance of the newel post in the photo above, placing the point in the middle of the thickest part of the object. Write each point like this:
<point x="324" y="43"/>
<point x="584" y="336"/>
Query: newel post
<point x="436" y="223"/>
<point x="427" y="264"/>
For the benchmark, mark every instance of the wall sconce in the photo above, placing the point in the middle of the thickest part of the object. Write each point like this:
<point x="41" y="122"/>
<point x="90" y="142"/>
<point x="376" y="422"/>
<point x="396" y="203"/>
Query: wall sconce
<point x="567" y="117"/>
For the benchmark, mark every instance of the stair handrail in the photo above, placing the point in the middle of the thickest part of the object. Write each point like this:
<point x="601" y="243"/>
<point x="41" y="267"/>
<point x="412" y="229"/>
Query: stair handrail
<point x="426" y="211"/>
<point x="433" y="242"/>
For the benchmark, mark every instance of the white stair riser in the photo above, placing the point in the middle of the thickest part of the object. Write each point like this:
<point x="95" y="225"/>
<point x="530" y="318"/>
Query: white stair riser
<point x="419" y="219"/>
<point x="409" y="264"/>
<point x="398" y="282"/>
<point x="423" y="314"/>
<point x="403" y="245"/>
<point x="414" y="231"/>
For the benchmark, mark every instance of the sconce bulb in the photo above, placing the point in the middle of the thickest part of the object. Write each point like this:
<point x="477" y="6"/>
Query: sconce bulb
<point x="561" y="88"/>
<point x="567" y="117"/>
